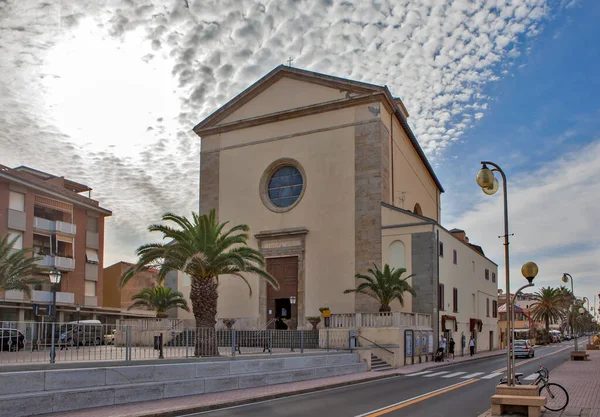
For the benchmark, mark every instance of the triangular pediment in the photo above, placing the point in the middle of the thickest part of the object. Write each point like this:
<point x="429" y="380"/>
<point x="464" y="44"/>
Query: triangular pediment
<point x="285" y="88"/>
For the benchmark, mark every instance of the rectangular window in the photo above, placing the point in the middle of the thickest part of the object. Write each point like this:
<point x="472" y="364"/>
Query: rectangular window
<point x="441" y="249"/>
<point x="90" y="288"/>
<point x="455" y="300"/>
<point x="19" y="236"/>
<point x="493" y="277"/>
<point x="16" y="201"/>
<point x="495" y="309"/>
<point x="441" y="297"/>
<point x="487" y="307"/>
<point x="454" y="257"/>
<point x="92" y="256"/>
<point x="487" y="274"/>
<point x="92" y="224"/>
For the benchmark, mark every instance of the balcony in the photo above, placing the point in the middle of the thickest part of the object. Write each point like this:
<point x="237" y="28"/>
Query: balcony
<point x="17" y="220"/>
<point x="14" y="295"/>
<point x="61" y="263"/>
<point x="46" y="225"/>
<point x="46" y="297"/>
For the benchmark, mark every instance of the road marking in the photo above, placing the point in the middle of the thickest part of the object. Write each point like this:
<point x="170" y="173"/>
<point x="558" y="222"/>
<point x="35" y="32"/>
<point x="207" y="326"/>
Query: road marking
<point x="490" y="376"/>
<point x="533" y="359"/>
<point x="472" y="375"/>
<point x="420" y="373"/>
<point x="436" y="374"/>
<point x="454" y="374"/>
<point x="414" y="400"/>
<point x="530" y="377"/>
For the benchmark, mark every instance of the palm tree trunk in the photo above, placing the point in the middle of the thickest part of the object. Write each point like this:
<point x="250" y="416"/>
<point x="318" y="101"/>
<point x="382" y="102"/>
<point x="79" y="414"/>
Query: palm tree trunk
<point x="547" y="329"/>
<point x="203" y="296"/>
<point x="384" y="308"/>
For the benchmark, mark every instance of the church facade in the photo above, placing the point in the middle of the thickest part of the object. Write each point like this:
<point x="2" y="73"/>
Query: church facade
<point x="331" y="180"/>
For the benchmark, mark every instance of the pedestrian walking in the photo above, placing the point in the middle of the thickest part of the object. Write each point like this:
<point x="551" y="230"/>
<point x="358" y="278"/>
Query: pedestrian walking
<point x="472" y="346"/>
<point x="444" y="345"/>
<point x="451" y="348"/>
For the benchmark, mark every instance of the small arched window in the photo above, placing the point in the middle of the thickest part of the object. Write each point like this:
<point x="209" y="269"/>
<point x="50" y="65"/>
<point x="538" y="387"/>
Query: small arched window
<point x="397" y="254"/>
<point x="417" y="209"/>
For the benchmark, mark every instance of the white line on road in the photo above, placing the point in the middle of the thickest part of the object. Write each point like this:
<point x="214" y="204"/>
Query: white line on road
<point x="530" y="377"/>
<point x="490" y="376"/>
<point x="472" y="375"/>
<point x="420" y="373"/>
<point x="436" y="374"/>
<point x="454" y="374"/>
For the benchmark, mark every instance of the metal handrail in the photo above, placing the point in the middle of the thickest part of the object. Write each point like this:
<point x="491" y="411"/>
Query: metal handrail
<point x="375" y="344"/>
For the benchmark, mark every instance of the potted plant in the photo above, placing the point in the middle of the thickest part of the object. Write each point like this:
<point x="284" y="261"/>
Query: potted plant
<point x="229" y="323"/>
<point x="288" y="322"/>
<point x="314" y="320"/>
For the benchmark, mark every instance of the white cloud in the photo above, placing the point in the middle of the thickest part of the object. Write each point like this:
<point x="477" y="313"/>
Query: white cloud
<point x="106" y="92"/>
<point x="553" y="215"/>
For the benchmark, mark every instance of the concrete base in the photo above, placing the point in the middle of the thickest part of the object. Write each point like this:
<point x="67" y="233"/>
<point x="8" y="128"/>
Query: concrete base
<point x="522" y="399"/>
<point x="592" y="347"/>
<point x="39" y="392"/>
<point x="579" y="355"/>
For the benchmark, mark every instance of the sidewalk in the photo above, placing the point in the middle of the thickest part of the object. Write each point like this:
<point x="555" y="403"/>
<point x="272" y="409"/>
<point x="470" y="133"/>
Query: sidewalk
<point x="204" y="402"/>
<point x="581" y="379"/>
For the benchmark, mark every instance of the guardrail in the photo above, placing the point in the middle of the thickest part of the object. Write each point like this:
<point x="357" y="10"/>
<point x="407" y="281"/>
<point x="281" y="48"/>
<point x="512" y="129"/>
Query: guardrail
<point x="31" y="342"/>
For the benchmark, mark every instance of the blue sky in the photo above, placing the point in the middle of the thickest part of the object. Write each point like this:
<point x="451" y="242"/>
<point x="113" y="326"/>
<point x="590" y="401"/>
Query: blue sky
<point x="111" y="90"/>
<point x="544" y="108"/>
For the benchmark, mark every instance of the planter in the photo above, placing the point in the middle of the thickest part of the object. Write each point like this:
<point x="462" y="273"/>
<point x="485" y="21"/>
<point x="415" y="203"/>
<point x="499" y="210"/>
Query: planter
<point x="314" y="321"/>
<point x="592" y="347"/>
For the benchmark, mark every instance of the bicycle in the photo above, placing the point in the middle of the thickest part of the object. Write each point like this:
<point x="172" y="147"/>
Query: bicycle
<point x="557" y="398"/>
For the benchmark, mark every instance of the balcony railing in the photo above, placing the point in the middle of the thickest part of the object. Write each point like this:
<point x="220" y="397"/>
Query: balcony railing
<point x="388" y="319"/>
<point x="59" y="262"/>
<point x="54" y="226"/>
<point x="46" y="297"/>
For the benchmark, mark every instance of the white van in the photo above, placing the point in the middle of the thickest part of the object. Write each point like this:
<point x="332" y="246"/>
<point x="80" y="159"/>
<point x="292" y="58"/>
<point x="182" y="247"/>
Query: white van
<point x="82" y="332"/>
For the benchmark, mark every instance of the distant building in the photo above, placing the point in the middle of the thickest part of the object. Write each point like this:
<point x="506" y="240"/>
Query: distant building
<point x="117" y="297"/>
<point x="49" y="214"/>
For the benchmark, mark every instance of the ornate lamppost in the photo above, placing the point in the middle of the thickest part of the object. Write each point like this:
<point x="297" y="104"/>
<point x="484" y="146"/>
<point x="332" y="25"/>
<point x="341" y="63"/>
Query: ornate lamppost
<point x="55" y="277"/>
<point x="489" y="185"/>
<point x="565" y="278"/>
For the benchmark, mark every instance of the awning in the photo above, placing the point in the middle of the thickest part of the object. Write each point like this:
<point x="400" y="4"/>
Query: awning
<point x="64" y="238"/>
<point x="475" y="325"/>
<point x="444" y="318"/>
<point x="502" y="309"/>
<point x="53" y="204"/>
<point x="92" y="256"/>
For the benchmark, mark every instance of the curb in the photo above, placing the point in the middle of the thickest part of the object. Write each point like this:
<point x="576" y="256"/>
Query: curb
<point x="446" y="364"/>
<point x="233" y="403"/>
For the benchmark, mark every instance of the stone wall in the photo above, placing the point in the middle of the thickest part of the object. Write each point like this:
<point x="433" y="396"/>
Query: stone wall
<point x="371" y="188"/>
<point x="425" y="280"/>
<point x="209" y="182"/>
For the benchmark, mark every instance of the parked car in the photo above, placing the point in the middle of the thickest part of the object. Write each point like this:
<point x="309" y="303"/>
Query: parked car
<point x="12" y="339"/>
<point x="524" y="348"/>
<point x="109" y="339"/>
<point x="81" y="333"/>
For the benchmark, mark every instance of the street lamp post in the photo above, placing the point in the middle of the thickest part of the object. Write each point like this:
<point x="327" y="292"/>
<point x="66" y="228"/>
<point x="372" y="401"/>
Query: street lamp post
<point x="77" y="309"/>
<point x="489" y="185"/>
<point x="584" y="300"/>
<point x="529" y="271"/>
<point x="565" y="278"/>
<point x="55" y="277"/>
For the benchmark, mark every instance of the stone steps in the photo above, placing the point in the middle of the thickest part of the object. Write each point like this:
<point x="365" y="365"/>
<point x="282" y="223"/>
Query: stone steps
<point x="378" y="365"/>
<point x="39" y="392"/>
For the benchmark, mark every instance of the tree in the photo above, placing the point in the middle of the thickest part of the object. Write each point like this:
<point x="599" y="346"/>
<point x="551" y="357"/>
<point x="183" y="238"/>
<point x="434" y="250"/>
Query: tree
<point x="547" y="306"/>
<point x="159" y="299"/>
<point x="384" y="286"/>
<point x="201" y="248"/>
<point x="18" y="270"/>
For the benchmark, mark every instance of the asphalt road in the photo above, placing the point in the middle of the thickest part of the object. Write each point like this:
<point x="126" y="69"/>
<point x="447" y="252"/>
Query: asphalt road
<point x="451" y="391"/>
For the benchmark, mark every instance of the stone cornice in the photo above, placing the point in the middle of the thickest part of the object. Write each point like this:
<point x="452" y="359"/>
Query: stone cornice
<point x="271" y="234"/>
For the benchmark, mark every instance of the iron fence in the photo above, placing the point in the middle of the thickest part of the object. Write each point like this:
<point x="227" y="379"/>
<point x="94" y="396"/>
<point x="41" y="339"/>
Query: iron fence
<point x="84" y="341"/>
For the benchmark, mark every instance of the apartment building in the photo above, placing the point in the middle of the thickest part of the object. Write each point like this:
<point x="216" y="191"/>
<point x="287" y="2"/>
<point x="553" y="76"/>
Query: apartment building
<point x="119" y="297"/>
<point x="52" y="215"/>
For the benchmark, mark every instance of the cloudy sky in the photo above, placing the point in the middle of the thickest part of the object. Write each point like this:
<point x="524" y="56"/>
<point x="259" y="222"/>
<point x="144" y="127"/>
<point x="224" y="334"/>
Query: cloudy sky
<point x="106" y="93"/>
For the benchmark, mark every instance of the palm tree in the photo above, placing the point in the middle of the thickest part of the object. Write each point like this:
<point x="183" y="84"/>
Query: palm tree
<point x="384" y="286"/>
<point x="566" y="299"/>
<point x="17" y="269"/>
<point x="159" y="299"/>
<point x="201" y="248"/>
<point x="547" y="306"/>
